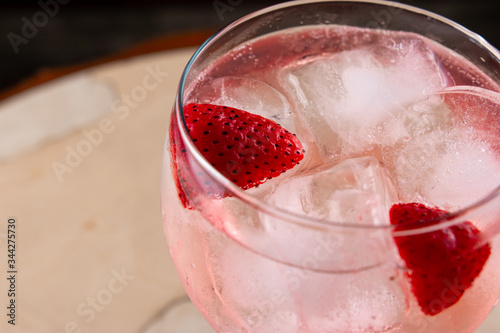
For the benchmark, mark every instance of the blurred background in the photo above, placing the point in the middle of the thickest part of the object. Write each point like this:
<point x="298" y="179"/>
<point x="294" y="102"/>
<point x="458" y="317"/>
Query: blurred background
<point x="82" y="31"/>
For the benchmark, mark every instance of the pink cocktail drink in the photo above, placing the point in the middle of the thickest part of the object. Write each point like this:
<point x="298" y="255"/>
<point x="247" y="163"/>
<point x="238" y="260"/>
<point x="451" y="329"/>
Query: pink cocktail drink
<point x="356" y="192"/>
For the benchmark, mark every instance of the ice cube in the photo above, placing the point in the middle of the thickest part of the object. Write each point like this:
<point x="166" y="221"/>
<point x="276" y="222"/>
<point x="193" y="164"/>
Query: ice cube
<point x="465" y="173"/>
<point x="354" y="192"/>
<point x="343" y="277"/>
<point x="422" y="117"/>
<point x="371" y="300"/>
<point x="446" y="151"/>
<point x="347" y="97"/>
<point x="252" y="289"/>
<point x="446" y="168"/>
<point x="248" y="94"/>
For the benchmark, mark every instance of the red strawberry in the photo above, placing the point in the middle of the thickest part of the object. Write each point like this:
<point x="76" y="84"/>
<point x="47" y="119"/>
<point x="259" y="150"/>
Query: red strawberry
<point x="441" y="264"/>
<point x="246" y="148"/>
<point x="176" y="147"/>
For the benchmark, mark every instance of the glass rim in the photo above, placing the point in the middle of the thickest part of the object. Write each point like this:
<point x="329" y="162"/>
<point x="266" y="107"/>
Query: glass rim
<point x="452" y="218"/>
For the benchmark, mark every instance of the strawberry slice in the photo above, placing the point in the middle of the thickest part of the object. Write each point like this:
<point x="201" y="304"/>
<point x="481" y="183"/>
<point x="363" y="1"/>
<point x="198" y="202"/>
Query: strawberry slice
<point x="246" y="148"/>
<point x="441" y="264"/>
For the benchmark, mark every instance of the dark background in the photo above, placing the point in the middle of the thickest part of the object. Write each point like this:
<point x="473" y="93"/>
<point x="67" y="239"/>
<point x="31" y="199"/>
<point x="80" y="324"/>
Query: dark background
<point x="82" y="31"/>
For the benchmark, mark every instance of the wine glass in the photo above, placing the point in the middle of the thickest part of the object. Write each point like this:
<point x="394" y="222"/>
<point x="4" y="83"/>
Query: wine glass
<point x="268" y="258"/>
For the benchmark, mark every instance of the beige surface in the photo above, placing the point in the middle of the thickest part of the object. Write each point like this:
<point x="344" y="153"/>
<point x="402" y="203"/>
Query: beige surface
<point x="101" y="217"/>
<point x="91" y="256"/>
